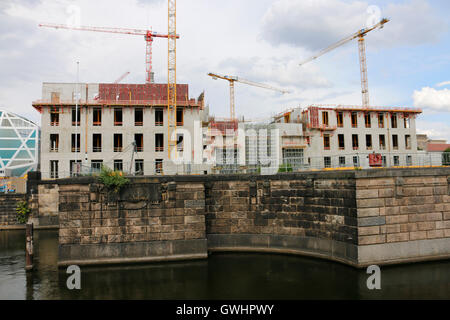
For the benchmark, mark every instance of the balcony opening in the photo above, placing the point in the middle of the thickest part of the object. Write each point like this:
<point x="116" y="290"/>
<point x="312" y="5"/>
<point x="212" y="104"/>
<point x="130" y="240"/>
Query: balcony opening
<point x="159" y="117"/>
<point x="180" y="116"/>
<point x="409" y="160"/>
<point x="54" y="142"/>
<point x="394" y="121"/>
<point x="118" y="142"/>
<point x="139" y="140"/>
<point x="396" y="161"/>
<point x="341" y="142"/>
<point x="75" y="142"/>
<point x="118" y="116"/>
<point x="139" y="167"/>
<point x="356" y="161"/>
<point x="96" y="142"/>
<point x="158" y="166"/>
<point x="76" y="114"/>
<point x="75" y="168"/>
<point x="54" y="117"/>
<point x="382" y="142"/>
<point x="96" y="165"/>
<point x="395" y="142"/>
<point x="354" y="119"/>
<point x="54" y="169"/>
<point x="159" y="142"/>
<point x="326" y="141"/>
<point x="406" y="122"/>
<point x="180" y="142"/>
<point x="327" y="162"/>
<point x="139" y="117"/>
<point x="380" y="120"/>
<point x="325" y="118"/>
<point x="367" y="120"/>
<point x="97" y="116"/>
<point x="355" y="142"/>
<point x="340" y="119"/>
<point x="407" y="141"/>
<point x="118" y="165"/>
<point x="368" y="141"/>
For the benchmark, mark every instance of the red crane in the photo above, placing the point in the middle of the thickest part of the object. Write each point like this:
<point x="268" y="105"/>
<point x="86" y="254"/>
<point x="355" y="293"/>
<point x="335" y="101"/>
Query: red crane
<point x="148" y="36"/>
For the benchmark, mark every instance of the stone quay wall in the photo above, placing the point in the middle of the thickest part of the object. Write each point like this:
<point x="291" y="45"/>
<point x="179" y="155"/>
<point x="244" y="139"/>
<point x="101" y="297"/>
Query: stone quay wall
<point x="8" y="214"/>
<point x="356" y="217"/>
<point x="312" y="214"/>
<point x="148" y="221"/>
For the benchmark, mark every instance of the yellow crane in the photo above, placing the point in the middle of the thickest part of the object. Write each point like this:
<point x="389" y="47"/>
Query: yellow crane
<point x="172" y="75"/>
<point x="232" y="80"/>
<point x="362" y="56"/>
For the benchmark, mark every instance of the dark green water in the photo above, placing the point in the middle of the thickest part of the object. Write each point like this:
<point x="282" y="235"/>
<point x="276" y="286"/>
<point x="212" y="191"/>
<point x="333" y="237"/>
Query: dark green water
<point x="222" y="276"/>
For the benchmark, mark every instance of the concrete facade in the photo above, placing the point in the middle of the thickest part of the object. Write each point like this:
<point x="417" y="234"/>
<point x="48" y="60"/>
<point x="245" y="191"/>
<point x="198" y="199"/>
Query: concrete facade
<point x="60" y="98"/>
<point x="322" y="133"/>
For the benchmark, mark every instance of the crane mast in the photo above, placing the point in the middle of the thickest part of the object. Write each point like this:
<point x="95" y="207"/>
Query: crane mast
<point x="172" y="77"/>
<point x="232" y="80"/>
<point x="362" y="56"/>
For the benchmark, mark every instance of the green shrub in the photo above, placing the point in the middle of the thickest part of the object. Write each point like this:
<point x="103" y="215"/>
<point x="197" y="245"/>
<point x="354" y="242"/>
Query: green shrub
<point x="112" y="180"/>
<point x="23" y="212"/>
<point x="285" y="167"/>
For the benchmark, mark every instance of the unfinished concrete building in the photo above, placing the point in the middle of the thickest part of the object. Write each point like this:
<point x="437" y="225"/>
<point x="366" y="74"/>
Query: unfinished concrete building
<point x="346" y="136"/>
<point x="122" y="126"/>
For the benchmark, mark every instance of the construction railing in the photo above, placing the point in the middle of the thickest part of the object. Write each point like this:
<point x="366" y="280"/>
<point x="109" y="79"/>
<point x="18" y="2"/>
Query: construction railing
<point x="350" y="161"/>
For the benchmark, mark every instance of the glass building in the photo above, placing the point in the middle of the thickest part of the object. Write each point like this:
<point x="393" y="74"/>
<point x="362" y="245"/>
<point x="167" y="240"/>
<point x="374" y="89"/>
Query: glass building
<point x="19" y="145"/>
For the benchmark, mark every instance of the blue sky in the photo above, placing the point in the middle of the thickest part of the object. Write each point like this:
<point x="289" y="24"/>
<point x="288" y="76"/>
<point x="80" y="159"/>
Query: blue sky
<point x="260" y="40"/>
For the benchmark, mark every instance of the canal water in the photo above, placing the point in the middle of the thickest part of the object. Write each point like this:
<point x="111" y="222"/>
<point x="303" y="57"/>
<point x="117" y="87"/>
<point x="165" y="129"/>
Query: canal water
<point x="222" y="276"/>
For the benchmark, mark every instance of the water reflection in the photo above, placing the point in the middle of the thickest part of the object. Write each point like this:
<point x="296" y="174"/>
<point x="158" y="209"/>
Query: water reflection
<point x="222" y="276"/>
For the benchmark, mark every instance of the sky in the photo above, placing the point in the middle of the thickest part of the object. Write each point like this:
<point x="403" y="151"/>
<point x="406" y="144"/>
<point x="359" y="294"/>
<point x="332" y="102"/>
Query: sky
<point x="259" y="40"/>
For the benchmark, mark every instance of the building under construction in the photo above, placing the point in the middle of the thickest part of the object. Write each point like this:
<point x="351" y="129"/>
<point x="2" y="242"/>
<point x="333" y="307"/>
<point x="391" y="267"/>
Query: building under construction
<point x="123" y="126"/>
<point x="348" y="136"/>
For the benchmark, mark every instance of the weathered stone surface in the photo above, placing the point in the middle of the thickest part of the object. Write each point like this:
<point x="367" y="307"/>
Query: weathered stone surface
<point x="371" y="221"/>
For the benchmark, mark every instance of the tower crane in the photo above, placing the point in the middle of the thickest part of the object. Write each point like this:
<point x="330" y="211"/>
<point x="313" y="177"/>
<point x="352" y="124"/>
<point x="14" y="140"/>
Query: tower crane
<point x="148" y="36"/>
<point x="362" y="56"/>
<point x="232" y="80"/>
<point x="122" y="77"/>
<point x="172" y="75"/>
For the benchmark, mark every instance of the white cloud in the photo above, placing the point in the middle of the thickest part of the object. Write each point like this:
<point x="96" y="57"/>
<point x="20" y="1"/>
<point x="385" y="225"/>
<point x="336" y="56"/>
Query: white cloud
<point x="316" y="24"/>
<point x="443" y="84"/>
<point x="432" y="99"/>
<point x="433" y="129"/>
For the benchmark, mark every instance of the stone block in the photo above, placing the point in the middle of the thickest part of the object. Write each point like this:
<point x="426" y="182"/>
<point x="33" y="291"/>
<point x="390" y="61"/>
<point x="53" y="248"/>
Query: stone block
<point x="434" y="234"/>
<point x="366" y="193"/>
<point x="425" y="226"/>
<point x="370" y="203"/>
<point x="371" y="221"/>
<point x="417" y="235"/>
<point x="397" y="237"/>
<point x="364" y="231"/>
<point x="368" y="212"/>
<point x="397" y="219"/>
<point x="373" y="239"/>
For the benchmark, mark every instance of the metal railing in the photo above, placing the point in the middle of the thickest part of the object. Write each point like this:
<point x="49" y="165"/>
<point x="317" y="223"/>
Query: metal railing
<point x="349" y="161"/>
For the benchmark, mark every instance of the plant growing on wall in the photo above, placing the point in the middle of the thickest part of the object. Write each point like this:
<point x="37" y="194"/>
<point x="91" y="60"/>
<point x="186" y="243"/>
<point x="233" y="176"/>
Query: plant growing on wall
<point x="23" y="212"/>
<point x="285" y="167"/>
<point x="112" y="180"/>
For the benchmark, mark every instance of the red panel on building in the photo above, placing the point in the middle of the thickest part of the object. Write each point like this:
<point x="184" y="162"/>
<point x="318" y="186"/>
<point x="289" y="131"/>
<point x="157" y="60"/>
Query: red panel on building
<point x="375" y="160"/>
<point x="140" y="92"/>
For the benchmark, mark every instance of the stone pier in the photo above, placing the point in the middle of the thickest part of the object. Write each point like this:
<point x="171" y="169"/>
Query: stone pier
<point x="362" y="217"/>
